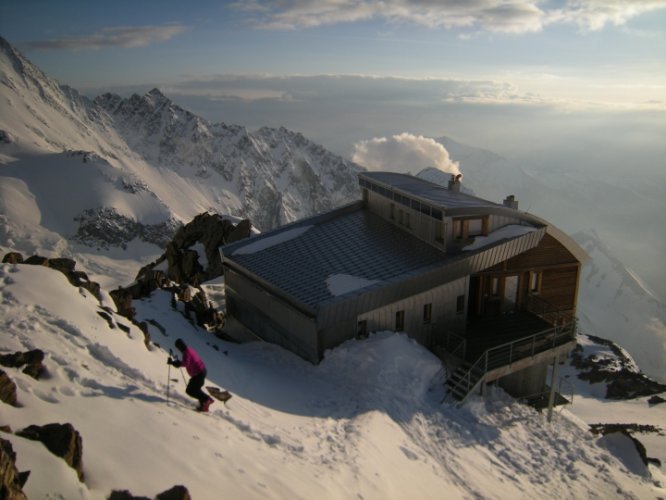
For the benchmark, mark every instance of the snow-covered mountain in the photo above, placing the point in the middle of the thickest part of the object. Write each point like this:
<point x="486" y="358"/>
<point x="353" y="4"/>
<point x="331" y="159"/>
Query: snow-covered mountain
<point x="614" y="304"/>
<point x="75" y="169"/>
<point x="291" y="429"/>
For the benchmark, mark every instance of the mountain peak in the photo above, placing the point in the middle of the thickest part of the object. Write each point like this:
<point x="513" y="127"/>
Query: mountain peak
<point x="157" y="95"/>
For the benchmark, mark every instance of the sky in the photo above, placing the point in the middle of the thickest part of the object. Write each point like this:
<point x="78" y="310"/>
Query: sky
<point x="358" y="67"/>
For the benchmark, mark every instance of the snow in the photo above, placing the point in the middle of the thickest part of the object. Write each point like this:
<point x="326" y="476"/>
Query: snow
<point x="270" y="241"/>
<point x="366" y="422"/>
<point x="506" y="232"/>
<point x="340" y="284"/>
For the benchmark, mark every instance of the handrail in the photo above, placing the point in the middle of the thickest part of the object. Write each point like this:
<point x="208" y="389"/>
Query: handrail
<point x="453" y="339"/>
<point x="498" y="356"/>
<point x="546" y="310"/>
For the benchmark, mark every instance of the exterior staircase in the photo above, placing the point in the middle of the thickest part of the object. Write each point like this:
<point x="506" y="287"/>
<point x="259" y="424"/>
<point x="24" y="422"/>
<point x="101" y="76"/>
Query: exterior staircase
<point x="464" y="380"/>
<point x="508" y="358"/>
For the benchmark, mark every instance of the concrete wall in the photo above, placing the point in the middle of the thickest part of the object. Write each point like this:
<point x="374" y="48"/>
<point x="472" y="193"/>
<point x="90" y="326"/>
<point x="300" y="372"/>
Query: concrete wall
<point x="526" y="382"/>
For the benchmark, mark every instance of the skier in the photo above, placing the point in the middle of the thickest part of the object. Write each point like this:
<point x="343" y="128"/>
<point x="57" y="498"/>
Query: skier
<point x="196" y="370"/>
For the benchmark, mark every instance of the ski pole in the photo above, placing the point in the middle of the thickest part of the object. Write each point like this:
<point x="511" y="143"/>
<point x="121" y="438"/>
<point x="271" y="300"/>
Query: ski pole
<point x="168" y="380"/>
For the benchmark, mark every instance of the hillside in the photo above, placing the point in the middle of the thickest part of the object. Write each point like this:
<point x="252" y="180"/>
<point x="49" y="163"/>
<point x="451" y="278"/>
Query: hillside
<point x="291" y="430"/>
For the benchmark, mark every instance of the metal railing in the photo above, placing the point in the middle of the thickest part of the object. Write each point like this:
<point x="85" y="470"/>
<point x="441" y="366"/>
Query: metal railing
<point x="454" y="344"/>
<point x="547" y="311"/>
<point x="510" y="352"/>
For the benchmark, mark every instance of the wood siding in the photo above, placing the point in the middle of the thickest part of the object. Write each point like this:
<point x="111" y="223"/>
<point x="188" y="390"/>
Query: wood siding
<point x="558" y="272"/>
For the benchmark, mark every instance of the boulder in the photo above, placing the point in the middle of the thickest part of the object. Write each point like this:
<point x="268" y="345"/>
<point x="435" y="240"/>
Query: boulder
<point x="7" y="389"/>
<point x="11" y="481"/>
<point x="32" y="359"/>
<point x="178" y="492"/>
<point x="12" y="258"/>
<point x="124" y="495"/>
<point x="36" y="260"/>
<point x="60" y="439"/>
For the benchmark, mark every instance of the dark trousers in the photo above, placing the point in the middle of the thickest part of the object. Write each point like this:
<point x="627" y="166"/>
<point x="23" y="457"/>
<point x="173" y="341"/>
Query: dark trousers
<point x="194" y="388"/>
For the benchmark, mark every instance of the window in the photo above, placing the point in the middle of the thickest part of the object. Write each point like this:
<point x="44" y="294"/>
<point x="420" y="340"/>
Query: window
<point x="460" y="304"/>
<point x="400" y="321"/>
<point x="407" y="222"/>
<point x="494" y="287"/>
<point x="439" y="231"/>
<point x="427" y="314"/>
<point x="392" y="214"/>
<point x="535" y="282"/>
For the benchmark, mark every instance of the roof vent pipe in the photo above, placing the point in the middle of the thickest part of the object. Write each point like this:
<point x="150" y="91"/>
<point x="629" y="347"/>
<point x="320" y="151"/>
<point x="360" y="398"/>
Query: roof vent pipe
<point x="511" y="202"/>
<point x="454" y="183"/>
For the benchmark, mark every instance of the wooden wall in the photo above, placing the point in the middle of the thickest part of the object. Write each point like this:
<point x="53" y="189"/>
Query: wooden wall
<point x="559" y="271"/>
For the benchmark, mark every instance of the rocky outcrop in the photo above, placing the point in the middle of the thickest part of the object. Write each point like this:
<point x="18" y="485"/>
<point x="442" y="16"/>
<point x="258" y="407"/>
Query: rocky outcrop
<point x="191" y="257"/>
<point x="64" y="265"/>
<point x="618" y="373"/>
<point x="185" y="265"/>
<point x="178" y="492"/>
<point x="12" y="258"/>
<point x="7" y="389"/>
<point x="60" y="439"/>
<point x="104" y="227"/>
<point x="11" y="481"/>
<point x="33" y="361"/>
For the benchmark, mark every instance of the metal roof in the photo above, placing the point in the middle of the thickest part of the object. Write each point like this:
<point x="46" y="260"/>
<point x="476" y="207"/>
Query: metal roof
<point x="350" y="241"/>
<point x="427" y="191"/>
<point x="296" y="260"/>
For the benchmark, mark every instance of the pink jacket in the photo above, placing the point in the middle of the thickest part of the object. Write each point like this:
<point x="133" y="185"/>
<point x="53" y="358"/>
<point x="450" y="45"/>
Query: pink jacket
<point x="192" y="362"/>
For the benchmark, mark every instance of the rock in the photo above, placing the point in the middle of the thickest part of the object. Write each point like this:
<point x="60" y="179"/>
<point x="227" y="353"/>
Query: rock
<point x="7" y="389"/>
<point x="621" y="379"/>
<point x="33" y="359"/>
<point x="124" y="495"/>
<point x="11" y="487"/>
<point x="60" y="439"/>
<point x="12" y="258"/>
<point x="65" y="266"/>
<point x="178" y="492"/>
<point x="36" y="260"/>
<point x="655" y="400"/>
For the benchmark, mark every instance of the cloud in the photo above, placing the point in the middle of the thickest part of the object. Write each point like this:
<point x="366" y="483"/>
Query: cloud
<point x="360" y="88"/>
<point x="594" y="15"/>
<point x="118" y="36"/>
<point x="498" y="16"/>
<point x="403" y="153"/>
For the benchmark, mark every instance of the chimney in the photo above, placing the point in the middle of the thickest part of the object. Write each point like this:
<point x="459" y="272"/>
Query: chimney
<point x="454" y="183"/>
<point x="511" y="202"/>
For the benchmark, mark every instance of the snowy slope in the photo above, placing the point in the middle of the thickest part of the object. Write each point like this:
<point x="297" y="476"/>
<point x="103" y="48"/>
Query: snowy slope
<point x="614" y="304"/>
<point x="365" y="423"/>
